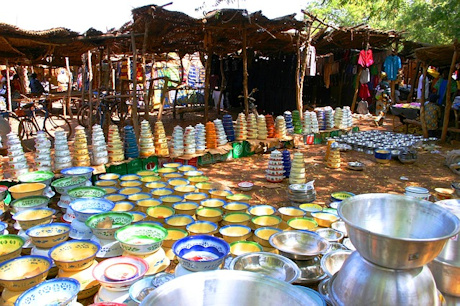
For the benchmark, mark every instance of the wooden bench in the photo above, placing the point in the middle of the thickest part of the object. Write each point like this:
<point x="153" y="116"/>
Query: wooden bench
<point x="408" y="122"/>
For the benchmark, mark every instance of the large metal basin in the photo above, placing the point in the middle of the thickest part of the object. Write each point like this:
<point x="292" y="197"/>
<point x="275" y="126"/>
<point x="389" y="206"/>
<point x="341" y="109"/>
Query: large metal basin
<point x="299" y="245"/>
<point x="360" y="282"/>
<point x="451" y="251"/>
<point x="228" y="288"/>
<point x="447" y="277"/>
<point x="395" y="231"/>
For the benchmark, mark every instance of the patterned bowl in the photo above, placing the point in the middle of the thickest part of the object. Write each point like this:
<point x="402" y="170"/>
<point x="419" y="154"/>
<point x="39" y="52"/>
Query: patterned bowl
<point x="64" y="184"/>
<point x="23" y="190"/>
<point x="201" y="252"/>
<point x="10" y="247"/>
<point x="58" y="291"/>
<point x="86" y="192"/>
<point x="48" y="235"/>
<point x="34" y="216"/>
<point x="141" y="239"/>
<point x="74" y="255"/>
<point x="29" y="202"/>
<point x="22" y="273"/>
<point x="105" y="225"/>
<point x="44" y="177"/>
<point x="78" y="171"/>
<point x="85" y="208"/>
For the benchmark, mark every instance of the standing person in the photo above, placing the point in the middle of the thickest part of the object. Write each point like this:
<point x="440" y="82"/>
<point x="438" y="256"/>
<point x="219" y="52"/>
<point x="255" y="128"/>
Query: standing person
<point x="432" y="115"/>
<point x="36" y="88"/>
<point x="441" y="87"/>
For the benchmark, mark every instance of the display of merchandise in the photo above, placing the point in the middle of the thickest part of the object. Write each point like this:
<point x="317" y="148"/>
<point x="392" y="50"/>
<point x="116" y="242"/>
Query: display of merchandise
<point x="275" y="171"/>
<point x="80" y="148"/>
<point x="332" y="154"/>
<point x="190" y="140"/>
<point x="270" y="126"/>
<point x="310" y="123"/>
<point x="200" y="137"/>
<point x="296" y="121"/>
<point x="17" y="159"/>
<point x="297" y="174"/>
<point x="289" y="123"/>
<point x="280" y="128"/>
<point x="147" y="147"/>
<point x="220" y="133"/>
<point x="115" y="145"/>
<point x="325" y="117"/>
<point x="287" y="163"/>
<point x="241" y="127"/>
<point x="99" y="147"/>
<point x="343" y="118"/>
<point x="252" y="126"/>
<point x="228" y="127"/>
<point x="178" y="141"/>
<point x="62" y="158"/>
<point x="42" y="152"/>
<point x="211" y="137"/>
<point x="161" y="143"/>
<point x="131" y="148"/>
<point x="262" y="132"/>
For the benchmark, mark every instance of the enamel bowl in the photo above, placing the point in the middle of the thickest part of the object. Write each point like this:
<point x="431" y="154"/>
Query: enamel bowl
<point x="325" y="219"/>
<point x="115" y="197"/>
<point x="10" y="247"/>
<point x="209" y="214"/>
<point x="145" y="204"/>
<point x="182" y="190"/>
<point x="238" y="248"/>
<point x="202" y="228"/>
<point x="64" y="184"/>
<point x="263" y="221"/>
<point x="123" y="206"/>
<point x="219" y="194"/>
<point x="262" y="210"/>
<point x="158" y="192"/>
<point x="58" y="291"/>
<point x="178" y="221"/>
<point x="174" y="234"/>
<point x="109" y="176"/>
<point x="78" y="171"/>
<point x="159" y="213"/>
<point x="310" y="208"/>
<point x="187" y="208"/>
<point x="231" y="207"/>
<point x="137" y="216"/>
<point x="130" y="190"/>
<point x="74" y="255"/>
<point x="20" y="191"/>
<point x="232" y="233"/>
<point x="240" y="218"/>
<point x="34" y="216"/>
<point x="85" y="208"/>
<point x="48" y="235"/>
<point x="105" y="225"/>
<point x="86" y="192"/>
<point x="169" y="200"/>
<point x="263" y="234"/>
<point x="44" y="177"/>
<point x="290" y="212"/>
<point x="22" y="273"/>
<point x="216" y="203"/>
<point x="201" y="252"/>
<point x="139" y="196"/>
<point x="196" y="197"/>
<point x="141" y="239"/>
<point x="29" y="202"/>
<point x="303" y="224"/>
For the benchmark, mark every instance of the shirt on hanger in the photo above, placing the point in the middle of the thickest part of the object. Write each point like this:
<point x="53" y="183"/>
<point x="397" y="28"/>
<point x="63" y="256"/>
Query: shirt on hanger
<point x="391" y="66"/>
<point x="366" y="58"/>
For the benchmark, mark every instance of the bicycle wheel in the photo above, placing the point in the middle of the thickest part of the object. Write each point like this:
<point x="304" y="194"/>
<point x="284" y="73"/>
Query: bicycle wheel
<point x="119" y="112"/>
<point x="54" y="122"/>
<point x="27" y="131"/>
<point x="83" y="116"/>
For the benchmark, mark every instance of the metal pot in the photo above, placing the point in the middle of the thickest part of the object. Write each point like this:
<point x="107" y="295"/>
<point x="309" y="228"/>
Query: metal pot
<point x="451" y="251"/>
<point x="395" y="231"/>
<point x="360" y="282"/>
<point x="447" y="277"/>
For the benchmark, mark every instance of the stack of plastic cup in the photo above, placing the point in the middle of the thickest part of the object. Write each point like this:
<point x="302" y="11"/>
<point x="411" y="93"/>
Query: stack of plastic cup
<point x="178" y="141"/>
<point x="146" y="140"/>
<point x="270" y="126"/>
<point x="220" y="133"/>
<point x="161" y="143"/>
<point x="62" y="158"/>
<point x="115" y="146"/>
<point x="200" y="137"/>
<point x="211" y="137"/>
<point x="228" y="127"/>
<point x="80" y="148"/>
<point x="190" y="140"/>
<point x="262" y="132"/>
<point x="17" y="159"/>
<point x="42" y="152"/>
<point x="252" y="126"/>
<point x="131" y="148"/>
<point x="280" y="127"/>
<point x="289" y="123"/>
<point x="241" y="127"/>
<point x="99" y="147"/>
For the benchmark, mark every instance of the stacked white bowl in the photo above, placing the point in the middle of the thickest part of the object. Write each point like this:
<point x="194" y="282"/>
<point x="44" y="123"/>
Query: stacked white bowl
<point x="17" y="159"/>
<point x="241" y="132"/>
<point x="146" y="140"/>
<point x="178" y="141"/>
<point x="42" y="152"/>
<point x="275" y="171"/>
<point x="329" y="112"/>
<point x="115" y="145"/>
<point x="62" y="158"/>
<point x="220" y="133"/>
<point x="190" y="140"/>
<point x="200" y="137"/>
<point x="99" y="146"/>
<point x="262" y="132"/>
<point x="280" y="127"/>
<point x="297" y="175"/>
<point x="252" y="126"/>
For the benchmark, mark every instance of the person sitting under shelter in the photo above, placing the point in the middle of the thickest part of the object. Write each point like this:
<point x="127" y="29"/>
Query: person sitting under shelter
<point x="36" y="87"/>
<point x="432" y="115"/>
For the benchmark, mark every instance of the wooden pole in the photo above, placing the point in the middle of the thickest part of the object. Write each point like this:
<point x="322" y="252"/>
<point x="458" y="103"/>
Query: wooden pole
<point x="181" y="75"/>
<point x="164" y="92"/>
<point x="144" y="81"/>
<point x="99" y="84"/>
<point x="298" y="94"/>
<point x="134" y="108"/>
<point x="245" y="73"/>
<point x="414" y="82"/>
<point x="8" y="87"/>
<point x="304" y="68"/>
<point x="90" y="92"/>
<point x="422" y="101"/>
<point x="69" y="89"/>
<point x="83" y="80"/>
<point x="207" y="89"/>
<point x="222" y="83"/>
<point x="355" y="96"/>
<point x="448" y="100"/>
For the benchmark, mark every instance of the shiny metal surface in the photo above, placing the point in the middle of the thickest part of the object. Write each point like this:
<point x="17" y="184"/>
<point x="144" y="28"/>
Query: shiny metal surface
<point x="451" y="300"/>
<point x="333" y="261"/>
<point x="360" y="282"/>
<point x="227" y="288"/>
<point x="310" y="271"/>
<point x="268" y="264"/>
<point x="299" y="245"/>
<point x="447" y="277"/>
<point x="330" y="234"/>
<point x="323" y="289"/>
<point x="396" y="231"/>
<point x="451" y="251"/>
<point x="340" y="226"/>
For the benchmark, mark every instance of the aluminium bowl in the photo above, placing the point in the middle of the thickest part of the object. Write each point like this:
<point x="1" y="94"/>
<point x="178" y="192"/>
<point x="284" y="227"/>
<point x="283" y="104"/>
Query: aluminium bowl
<point x="447" y="276"/>
<point x="299" y="245"/>
<point x="332" y="262"/>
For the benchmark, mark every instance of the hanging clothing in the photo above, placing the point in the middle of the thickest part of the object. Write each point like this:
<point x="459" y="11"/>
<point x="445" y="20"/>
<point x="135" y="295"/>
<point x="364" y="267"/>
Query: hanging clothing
<point x="327" y="74"/>
<point x="391" y="66"/>
<point x="419" y="88"/>
<point x="441" y="87"/>
<point x="365" y="76"/>
<point x="363" y="92"/>
<point x="311" y="61"/>
<point x="366" y="58"/>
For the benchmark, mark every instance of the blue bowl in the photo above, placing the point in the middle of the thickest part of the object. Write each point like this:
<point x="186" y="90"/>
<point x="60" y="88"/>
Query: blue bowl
<point x="201" y="252"/>
<point x="87" y="207"/>
<point x="382" y="155"/>
<point x="48" y="235"/>
<point x="58" y="291"/>
<point x="77" y="171"/>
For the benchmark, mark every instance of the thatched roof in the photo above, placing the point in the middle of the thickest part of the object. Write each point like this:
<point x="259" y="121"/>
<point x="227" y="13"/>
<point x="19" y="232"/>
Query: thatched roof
<point x="438" y="55"/>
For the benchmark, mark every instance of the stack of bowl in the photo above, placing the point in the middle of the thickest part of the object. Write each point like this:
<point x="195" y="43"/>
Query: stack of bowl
<point x="200" y="138"/>
<point x="289" y="123"/>
<point x="161" y="143"/>
<point x="280" y="127"/>
<point x="220" y="133"/>
<point x="178" y="141"/>
<point x="63" y="185"/>
<point x="270" y="126"/>
<point x="419" y="193"/>
<point x="81" y="192"/>
<point x="297" y="175"/>
<point x="62" y="157"/>
<point x="262" y="132"/>
<point x="146" y="140"/>
<point x="211" y="136"/>
<point x="333" y="155"/>
<point x="301" y="193"/>
<point x="241" y="131"/>
<point x="17" y="159"/>
<point x="252" y="126"/>
<point x="190" y="143"/>
<point x="42" y="152"/>
<point x="100" y="154"/>
<point x="115" y="146"/>
<point x="130" y="142"/>
<point x="287" y="163"/>
<point x="275" y="171"/>
<point x="228" y="127"/>
<point x="80" y="148"/>
<point x="296" y="122"/>
<point x="40" y="176"/>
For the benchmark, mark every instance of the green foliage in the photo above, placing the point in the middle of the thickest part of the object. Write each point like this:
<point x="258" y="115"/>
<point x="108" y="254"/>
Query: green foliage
<point x="428" y="21"/>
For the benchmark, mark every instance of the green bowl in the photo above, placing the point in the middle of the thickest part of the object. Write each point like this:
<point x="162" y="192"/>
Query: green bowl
<point x="119" y="220"/>
<point x="141" y="239"/>
<point x="10" y="247"/>
<point x="86" y="192"/>
<point x="44" y="177"/>
<point x="64" y="184"/>
<point x="29" y="202"/>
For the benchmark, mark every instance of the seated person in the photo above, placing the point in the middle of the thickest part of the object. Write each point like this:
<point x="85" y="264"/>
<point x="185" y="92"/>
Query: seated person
<point x="432" y="115"/>
<point x="36" y="88"/>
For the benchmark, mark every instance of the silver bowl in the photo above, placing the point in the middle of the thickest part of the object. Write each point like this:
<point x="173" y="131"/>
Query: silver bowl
<point x="323" y="289"/>
<point x="451" y="251"/>
<point x="333" y="261"/>
<point x="330" y="234"/>
<point x="335" y="246"/>
<point x="340" y="226"/>
<point x="268" y="264"/>
<point x="299" y="245"/>
<point x="310" y="271"/>
<point x="396" y="231"/>
<point x="360" y="282"/>
<point x="447" y="277"/>
<point x="228" y="288"/>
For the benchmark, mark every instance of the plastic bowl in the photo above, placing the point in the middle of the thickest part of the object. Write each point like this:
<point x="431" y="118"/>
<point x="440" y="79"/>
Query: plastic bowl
<point x="10" y="247"/>
<point x="23" y="190"/>
<point x="105" y="225"/>
<point x="141" y="239"/>
<point x="34" y="216"/>
<point x="232" y="233"/>
<point x="85" y="208"/>
<point x="29" y="202"/>
<point x="74" y="255"/>
<point x="58" y="291"/>
<point x="48" y="235"/>
<point x="22" y="273"/>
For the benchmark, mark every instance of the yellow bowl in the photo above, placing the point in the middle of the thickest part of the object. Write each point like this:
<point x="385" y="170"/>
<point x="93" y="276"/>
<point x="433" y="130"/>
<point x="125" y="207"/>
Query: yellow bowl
<point x="288" y="213"/>
<point x="182" y="190"/>
<point x="204" y="187"/>
<point x="219" y="194"/>
<point x="186" y="168"/>
<point x="106" y="183"/>
<point x="88" y="284"/>
<point x="185" y="208"/>
<point x="10" y="247"/>
<point x="48" y="235"/>
<point x="163" y="171"/>
<point x="34" y="216"/>
<point x="172" y="165"/>
<point x="148" y="187"/>
<point x="237" y="218"/>
<point x="138" y="216"/>
<point x="110" y="190"/>
<point x="198" y="179"/>
<point x="26" y="190"/>
<point x="174" y="234"/>
<point x="209" y="214"/>
<point x="177" y="182"/>
<point x="22" y="273"/>
<point x="159" y="213"/>
<point x="218" y="203"/>
<point x="178" y="221"/>
<point x="196" y="197"/>
<point x="158" y="192"/>
<point x="263" y="234"/>
<point x="74" y="255"/>
<point x="130" y="190"/>
<point x="116" y="197"/>
<point x="262" y="210"/>
<point x="144" y="205"/>
<point x="146" y="173"/>
<point x="150" y="179"/>
<point x="325" y="219"/>
<point x="123" y="206"/>
<point x="303" y="224"/>
<point x="124" y="184"/>
<point x="264" y="221"/>
<point x="310" y="208"/>
<point x="109" y="176"/>
<point x="139" y="196"/>
<point x="243" y="247"/>
<point x="129" y="177"/>
<point x="232" y="233"/>
<point x="202" y="228"/>
<point x="231" y="207"/>
<point x="172" y="175"/>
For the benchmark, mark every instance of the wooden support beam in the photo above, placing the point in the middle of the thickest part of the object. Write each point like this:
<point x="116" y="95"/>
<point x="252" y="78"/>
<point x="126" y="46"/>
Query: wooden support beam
<point x="134" y="97"/>
<point x="448" y="97"/>
<point x="414" y="82"/>
<point x="223" y="83"/>
<point x="355" y="95"/>
<point x="8" y="86"/>
<point x="298" y="94"/>
<point x="69" y="89"/>
<point x="144" y="67"/>
<point x="245" y="74"/>
<point x="422" y="102"/>
<point x="90" y="92"/>
<point x="164" y="92"/>
<point x="207" y="89"/>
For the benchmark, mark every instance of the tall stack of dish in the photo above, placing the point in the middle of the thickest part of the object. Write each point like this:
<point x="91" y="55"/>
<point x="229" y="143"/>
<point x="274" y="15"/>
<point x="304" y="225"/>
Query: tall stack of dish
<point x="241" y="127"/>
<point x="146" y="140"/>
<point x="228" y="126"/>
<point x="190" y="140"/>
<point x="332" y="155"/>
<point x="80" y="148"/>
<point x="220" y="133"/>
<point x="289" y="123"/>
<point x="42" y="152"/>
<point x="287" y="163"/>
<point x="131" y="148"/>
<point x="275" y="171"/>
<point x="115" y="146"/>
<point x="270" y="126"/>
<point x="17" y="159"/>
<point x="297" y="175"/>
<point x="296" y="121"/>
<point x="262" y="132"/>
<point x="99" y="147"/>
<point x="280" y="127"/>
<point x="161" y="144"/>
<point x="177" y="141"/>
<point x="62" y="158"/>
<point x="211" y="137"/>
<point x="252" y="126"/>
<point x="200" y="137"/>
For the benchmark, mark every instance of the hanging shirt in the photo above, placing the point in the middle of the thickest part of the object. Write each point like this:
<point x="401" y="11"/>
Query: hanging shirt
<point x="419" y="88"/>
<point x="391" y="66"/>
<point x="366" y="58"/>
<point x="363" y="92"/>
<point x="365" y="76"/>
<point x="311" y="61"/>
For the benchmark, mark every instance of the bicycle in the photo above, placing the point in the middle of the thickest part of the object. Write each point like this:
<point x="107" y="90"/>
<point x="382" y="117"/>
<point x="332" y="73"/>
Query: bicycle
<point x="116" y="109"/>
<point x="30" y="122"/>
<point x="251" y="101"/>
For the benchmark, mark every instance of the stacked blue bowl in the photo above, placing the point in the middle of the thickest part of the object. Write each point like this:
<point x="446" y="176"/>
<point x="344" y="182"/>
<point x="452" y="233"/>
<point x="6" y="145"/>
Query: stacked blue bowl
<point x="287" y="163"/>
<point x="227" y="121"/>
<point x="289" y="124"/>
<point x="321" y="115"/>
<point x="131" y="148"/>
